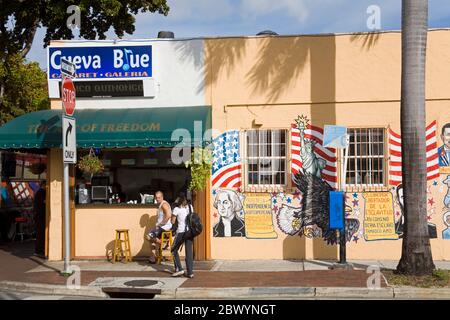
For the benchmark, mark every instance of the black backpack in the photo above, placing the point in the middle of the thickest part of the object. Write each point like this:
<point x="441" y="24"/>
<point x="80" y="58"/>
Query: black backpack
<point x="194" y="223"/>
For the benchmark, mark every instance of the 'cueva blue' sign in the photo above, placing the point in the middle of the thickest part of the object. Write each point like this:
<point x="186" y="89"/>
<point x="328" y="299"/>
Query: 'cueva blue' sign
<point x="110" y="62"/>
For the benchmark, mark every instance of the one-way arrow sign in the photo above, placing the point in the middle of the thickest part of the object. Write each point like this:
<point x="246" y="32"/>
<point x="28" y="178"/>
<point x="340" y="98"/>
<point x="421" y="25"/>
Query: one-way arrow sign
<point x="69" y="130"/>
<point x="69" y="140"/>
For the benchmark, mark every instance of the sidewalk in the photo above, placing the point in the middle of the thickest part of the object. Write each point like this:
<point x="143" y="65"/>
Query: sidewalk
<point x="23" y="272"/>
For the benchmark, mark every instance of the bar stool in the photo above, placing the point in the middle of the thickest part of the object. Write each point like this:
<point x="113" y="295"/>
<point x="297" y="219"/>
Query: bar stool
<point x="118" y="249"/>
<point x="20" y="221"/>
<point x="166" y="239"/>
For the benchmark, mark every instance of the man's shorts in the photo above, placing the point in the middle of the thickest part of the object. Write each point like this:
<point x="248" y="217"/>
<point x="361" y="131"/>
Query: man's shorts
<point x="156" y="233"/>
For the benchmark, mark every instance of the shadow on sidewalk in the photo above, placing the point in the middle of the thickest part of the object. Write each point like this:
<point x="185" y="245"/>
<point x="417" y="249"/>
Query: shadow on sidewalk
<point x="17" y="258"/>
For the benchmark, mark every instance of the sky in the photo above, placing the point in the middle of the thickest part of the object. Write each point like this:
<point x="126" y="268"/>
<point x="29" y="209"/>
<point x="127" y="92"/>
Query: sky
<point x="203" y="18"/>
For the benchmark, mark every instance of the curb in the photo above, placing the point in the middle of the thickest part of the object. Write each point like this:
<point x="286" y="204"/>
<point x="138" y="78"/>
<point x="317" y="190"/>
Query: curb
<point x="397" y="293"/>
<point x="283" y="293"/>
<point x="421" y="293"/>
<point x="50" y="289"/>
<point x="244" y="292"/>
<point x="356" y="293"/>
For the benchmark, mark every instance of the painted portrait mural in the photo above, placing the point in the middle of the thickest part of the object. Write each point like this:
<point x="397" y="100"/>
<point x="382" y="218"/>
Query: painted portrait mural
<point x="446" y="232"/>
<point x="230" y="210"/>
<point x="399" y="224"/>
<point x="226" y="181"/>
<point x="444" y="164"/>
<point x="444" y="150"/>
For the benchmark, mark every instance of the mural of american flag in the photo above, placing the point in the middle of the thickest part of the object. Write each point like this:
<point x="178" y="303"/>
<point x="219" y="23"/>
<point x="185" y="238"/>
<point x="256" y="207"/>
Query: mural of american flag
<point x="226" y="167"/>
<point x="329" y="173"/>
<point x="395" y="152"/>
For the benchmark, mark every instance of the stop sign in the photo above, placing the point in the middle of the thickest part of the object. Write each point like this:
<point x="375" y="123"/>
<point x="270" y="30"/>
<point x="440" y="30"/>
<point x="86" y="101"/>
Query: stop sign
<point x="68" y="96"/>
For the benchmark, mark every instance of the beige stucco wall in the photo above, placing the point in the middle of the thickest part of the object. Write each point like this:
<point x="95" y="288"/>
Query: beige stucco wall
<point x="95" y="230"/>
<point x="351" y="80"/>
<point x="55" y="177"/>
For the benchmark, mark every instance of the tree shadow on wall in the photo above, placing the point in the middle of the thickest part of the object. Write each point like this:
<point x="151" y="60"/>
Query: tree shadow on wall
<point x="220" y="56"/>
<point x="366" y="40"/>
<point x="279" y="64"/>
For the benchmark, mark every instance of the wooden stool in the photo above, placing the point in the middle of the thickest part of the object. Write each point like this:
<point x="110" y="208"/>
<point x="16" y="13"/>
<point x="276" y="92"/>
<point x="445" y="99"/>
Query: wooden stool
<point x="118" y="250"/>
<point x="166" y="239"/>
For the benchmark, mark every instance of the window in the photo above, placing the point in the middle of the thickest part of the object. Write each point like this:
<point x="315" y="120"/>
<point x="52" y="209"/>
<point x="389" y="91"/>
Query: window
<point x="131" y="174"/>
<point x="266" y="157"/>
<point x="24" y="166"/>
<point x="366" y="157"/>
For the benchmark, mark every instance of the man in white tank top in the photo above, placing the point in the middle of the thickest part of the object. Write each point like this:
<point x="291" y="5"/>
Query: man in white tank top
<point x="163" y="223"/>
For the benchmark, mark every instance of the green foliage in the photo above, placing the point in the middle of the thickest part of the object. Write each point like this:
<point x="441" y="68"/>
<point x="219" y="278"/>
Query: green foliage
<point x="23" y="87"/>
<point x="200" y="164"/>
<point x="38" y="168"/>
<point x="443" y="275"/>
<point x="90" y="164"/>
<point x="438" y="279"/>
<point x="21" y="18"/>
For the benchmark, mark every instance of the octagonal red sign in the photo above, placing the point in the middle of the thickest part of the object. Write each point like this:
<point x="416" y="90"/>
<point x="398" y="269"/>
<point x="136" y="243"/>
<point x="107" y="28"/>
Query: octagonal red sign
<point x="68" y="96"/>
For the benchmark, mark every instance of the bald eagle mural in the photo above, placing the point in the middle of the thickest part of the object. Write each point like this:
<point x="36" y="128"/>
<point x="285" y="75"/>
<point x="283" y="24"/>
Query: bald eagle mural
<point x="315" y="206"/>
<point x="311" y="217"/>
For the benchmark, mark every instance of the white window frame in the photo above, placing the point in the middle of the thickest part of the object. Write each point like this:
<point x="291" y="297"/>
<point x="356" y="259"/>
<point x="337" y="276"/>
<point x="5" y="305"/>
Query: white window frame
<point x="357" y="158"/>
<point x="258" y="187"/>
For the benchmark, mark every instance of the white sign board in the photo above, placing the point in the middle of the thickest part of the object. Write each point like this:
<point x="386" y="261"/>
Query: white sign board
<point x="69" y="140"/>
<point x="335" y="136"/>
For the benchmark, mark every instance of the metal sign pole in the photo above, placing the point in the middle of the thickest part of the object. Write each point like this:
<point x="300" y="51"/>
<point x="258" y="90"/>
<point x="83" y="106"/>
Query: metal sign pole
<point x="67" y="269"/>
<point x="342" y="232"/>
<point x="68" y="145"/>
<point x="337" y="137"/>
<point x="66" y="197"/>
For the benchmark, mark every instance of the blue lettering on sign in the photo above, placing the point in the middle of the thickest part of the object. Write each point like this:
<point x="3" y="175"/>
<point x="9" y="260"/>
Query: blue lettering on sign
<point x="336" y="210"/>
<point x="103" y="62"/>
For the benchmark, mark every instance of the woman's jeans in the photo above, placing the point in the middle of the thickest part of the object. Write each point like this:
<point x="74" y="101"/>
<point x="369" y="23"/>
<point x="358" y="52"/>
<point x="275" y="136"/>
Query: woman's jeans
<point x="189" y="252"/>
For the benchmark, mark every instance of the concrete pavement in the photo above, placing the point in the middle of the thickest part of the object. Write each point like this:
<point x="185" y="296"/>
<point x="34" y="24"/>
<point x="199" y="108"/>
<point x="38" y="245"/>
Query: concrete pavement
<point x="21" y="271"/>
<point x="225" y="265"/>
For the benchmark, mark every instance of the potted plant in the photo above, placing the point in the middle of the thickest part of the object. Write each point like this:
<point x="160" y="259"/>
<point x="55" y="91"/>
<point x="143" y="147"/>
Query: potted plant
<point x="90" y="164"/>
<point x="38" y="168"/>
<point x="200" y="164"/>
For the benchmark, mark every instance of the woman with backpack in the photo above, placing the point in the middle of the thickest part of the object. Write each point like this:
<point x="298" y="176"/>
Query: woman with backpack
<point x="183" y="236"/>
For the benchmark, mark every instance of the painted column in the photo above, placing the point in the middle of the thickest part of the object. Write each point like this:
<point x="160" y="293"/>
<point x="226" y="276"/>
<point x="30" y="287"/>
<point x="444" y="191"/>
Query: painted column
<point x="55" y="171"/>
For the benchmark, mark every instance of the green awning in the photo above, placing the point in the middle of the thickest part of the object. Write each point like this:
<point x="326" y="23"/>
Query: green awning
<point x="107" y="128"/>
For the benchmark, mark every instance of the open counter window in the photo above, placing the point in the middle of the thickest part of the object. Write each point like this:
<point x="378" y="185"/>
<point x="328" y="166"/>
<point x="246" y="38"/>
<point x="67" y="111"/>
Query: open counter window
<point x="132" y="176"/>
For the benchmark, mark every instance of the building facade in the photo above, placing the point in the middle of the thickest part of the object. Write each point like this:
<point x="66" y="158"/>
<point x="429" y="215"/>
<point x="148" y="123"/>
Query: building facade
<point x="267" y="100"/>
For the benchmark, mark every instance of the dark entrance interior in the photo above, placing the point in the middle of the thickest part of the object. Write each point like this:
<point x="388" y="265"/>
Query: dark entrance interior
<point x="22" y="199"/>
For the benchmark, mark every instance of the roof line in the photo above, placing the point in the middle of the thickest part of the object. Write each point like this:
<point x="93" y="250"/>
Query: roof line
<point x="234" y="37"/>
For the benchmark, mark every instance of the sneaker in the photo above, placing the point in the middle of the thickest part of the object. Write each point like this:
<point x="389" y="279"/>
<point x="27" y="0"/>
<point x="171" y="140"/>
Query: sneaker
<point x="190" y="276"/>
<point x="178" y="273"/>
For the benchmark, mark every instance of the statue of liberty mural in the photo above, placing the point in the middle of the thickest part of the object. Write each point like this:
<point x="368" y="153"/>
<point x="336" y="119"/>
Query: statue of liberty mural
<point x="311" y="164"/>
<point x="314" y="210"/>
